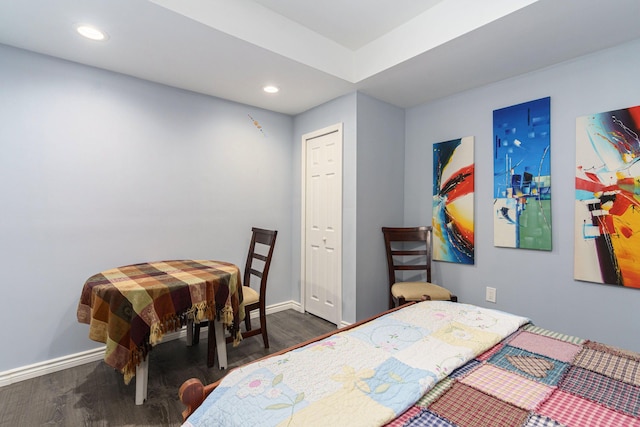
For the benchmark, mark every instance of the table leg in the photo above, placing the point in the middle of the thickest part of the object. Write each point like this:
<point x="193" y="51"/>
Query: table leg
<point x="221" y="344"/>
<point x="142" y="379"/>
<point x="189" y="332"/>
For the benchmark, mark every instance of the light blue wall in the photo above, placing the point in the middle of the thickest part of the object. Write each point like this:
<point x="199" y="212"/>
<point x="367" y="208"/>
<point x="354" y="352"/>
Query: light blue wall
<point x="373" y="177"/>
<point x="537" y="284"/>
<point x="380" y="197"/>
<point x="99" y="170"/>
<point x="340" y="110"/>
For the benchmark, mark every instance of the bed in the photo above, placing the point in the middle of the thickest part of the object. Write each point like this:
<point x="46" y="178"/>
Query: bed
<point x="433" y="363"/>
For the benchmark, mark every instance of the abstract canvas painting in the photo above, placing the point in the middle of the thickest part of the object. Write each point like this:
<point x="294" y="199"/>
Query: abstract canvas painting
<point x="607" y="211"/>
<point x="522" y="176"/>
<point x="453" y="200"/>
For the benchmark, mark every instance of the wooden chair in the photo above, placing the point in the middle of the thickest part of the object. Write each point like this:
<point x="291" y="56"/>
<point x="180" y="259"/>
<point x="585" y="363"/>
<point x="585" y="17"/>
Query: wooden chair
<point x="409" y="250"/>
<point x="257" y="268"/>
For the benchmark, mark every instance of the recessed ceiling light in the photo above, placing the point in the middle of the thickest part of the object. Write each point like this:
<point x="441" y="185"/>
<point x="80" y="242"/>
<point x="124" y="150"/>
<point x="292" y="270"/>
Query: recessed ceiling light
<point x="270" y="89"/>
<point x="91" y="32"/>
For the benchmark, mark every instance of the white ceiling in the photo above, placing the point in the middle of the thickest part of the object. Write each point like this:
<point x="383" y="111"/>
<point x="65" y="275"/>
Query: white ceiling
<point x="352" y="24"/>
<point x="405" y="52"/>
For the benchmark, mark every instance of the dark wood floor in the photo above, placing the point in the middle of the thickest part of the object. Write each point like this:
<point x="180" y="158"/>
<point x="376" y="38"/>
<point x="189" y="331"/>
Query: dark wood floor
<point x="94" y="394"/>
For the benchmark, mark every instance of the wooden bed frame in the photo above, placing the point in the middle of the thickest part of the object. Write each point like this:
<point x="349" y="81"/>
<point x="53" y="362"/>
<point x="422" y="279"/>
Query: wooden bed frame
<point x="192" y="392"/>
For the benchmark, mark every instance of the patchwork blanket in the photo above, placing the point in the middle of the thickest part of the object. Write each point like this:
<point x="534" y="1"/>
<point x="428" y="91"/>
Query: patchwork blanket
<point x="365" y="376"/>
<point x="130" y="308"/>
<point x="536" y="378"/>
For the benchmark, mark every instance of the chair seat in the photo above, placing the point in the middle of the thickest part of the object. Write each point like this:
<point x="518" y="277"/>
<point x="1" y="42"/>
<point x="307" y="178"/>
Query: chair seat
<point x="249" y="295"/>
<point x="413" y="291"/>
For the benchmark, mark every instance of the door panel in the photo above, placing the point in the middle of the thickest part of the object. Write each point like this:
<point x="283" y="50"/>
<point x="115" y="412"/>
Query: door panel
<point x="323" y="225"/>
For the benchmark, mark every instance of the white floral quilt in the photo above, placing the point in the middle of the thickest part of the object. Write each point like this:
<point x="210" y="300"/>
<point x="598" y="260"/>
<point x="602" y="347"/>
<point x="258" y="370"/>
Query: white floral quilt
<point x="363" y="376"/>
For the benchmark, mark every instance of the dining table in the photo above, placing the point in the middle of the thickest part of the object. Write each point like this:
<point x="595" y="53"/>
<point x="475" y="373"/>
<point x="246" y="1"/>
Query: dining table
<point x="131" y="308"/>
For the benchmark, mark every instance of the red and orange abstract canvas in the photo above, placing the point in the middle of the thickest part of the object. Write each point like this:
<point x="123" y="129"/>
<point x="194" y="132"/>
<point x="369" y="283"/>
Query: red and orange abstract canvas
<point x="453" y="200"/>
<point x="607" y="211"/>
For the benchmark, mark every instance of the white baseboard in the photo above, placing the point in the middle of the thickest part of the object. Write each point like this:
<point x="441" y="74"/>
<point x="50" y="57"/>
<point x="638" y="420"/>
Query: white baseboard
<point x="72" y="360"/>
<point x="289" y="305"/>
<point x="48" y="366"/>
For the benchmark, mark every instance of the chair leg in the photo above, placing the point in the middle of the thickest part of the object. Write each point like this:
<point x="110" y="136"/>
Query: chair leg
<point x="247" y="319"/>
<point x="211" y="344"/>
<point x="263" y="328"/>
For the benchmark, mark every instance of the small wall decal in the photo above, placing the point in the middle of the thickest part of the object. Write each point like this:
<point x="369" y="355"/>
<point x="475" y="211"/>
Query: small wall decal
<point x="257" y="125"/>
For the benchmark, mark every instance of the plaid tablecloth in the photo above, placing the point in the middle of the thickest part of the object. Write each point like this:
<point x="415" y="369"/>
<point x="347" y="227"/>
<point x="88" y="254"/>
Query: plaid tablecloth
<point x="130" y="308"/>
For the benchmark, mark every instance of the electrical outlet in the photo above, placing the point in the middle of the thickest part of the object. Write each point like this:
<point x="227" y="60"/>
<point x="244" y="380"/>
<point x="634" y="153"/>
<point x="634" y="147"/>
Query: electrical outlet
<point x="491" y="294"/>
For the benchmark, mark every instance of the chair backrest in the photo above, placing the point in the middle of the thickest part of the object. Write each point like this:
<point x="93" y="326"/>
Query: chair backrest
<point x="259" y="257"/>
<point x="408" y="249"/>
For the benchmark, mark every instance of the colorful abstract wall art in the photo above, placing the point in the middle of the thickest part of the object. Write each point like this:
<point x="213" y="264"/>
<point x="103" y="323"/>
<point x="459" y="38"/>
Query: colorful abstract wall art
<point x="522" y="176"/>
<point x="453" y="200"/>
<point x="607" y="212"/>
